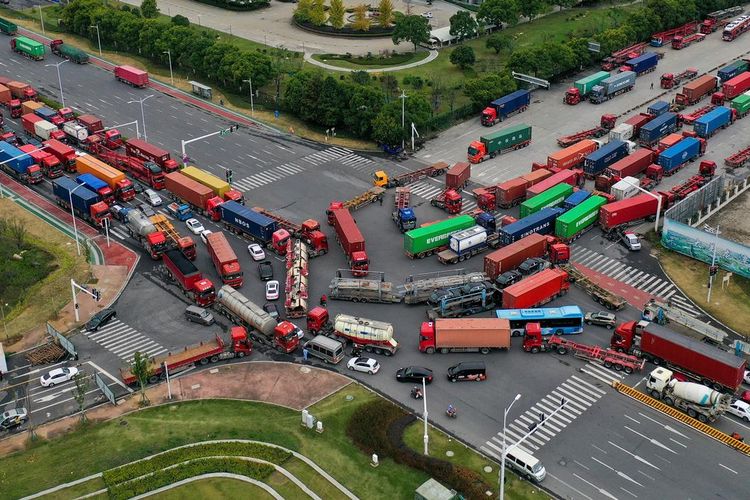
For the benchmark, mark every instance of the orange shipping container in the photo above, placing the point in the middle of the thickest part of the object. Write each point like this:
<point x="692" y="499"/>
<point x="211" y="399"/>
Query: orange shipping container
<point x="571" y="156"/>
<point x="31" y="106"/>
<point x="87" y="164"/>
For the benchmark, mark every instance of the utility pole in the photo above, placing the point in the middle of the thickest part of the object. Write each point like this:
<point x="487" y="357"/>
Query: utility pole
<point x="713" y="269"/>
<point x="171" y="76"/>
<point x="222" y="132"/>
<point x="252" y="106"/>
<point x="403" y="97"/>
<point x="98" y="38"/>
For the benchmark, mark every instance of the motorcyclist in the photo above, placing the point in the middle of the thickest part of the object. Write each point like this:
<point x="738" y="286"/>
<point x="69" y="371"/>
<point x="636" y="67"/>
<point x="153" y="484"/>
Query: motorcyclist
<point x="451" y="411"/>
<point x="416" y="392"/>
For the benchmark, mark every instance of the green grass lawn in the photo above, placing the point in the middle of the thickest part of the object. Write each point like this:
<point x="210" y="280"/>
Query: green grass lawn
<point x="213" y="489"/>
<point x="78" y="490"/>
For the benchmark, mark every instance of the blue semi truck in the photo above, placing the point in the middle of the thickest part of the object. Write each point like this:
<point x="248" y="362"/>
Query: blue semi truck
<point x="253" y="225"/>
<point x="674" y="158"/>
<point x="645" y="63"/>
<point x="87" y="205"/>
<point x="19" y="165"/>
<point x="653" y="131"/>
<point x="713" y="121"/>
<point x="500" y="109"/>
<point x="596" y="162"/>
<point x="542" y="222"/>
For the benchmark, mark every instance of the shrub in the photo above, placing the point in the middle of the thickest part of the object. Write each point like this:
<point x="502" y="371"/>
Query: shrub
<point x="238" y="4"/>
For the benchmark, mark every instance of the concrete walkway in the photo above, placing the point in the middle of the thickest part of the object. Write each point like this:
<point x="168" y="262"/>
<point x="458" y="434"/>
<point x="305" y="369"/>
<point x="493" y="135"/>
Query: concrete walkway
<point x="224" y="475"/>
<point x="433" y="55"/>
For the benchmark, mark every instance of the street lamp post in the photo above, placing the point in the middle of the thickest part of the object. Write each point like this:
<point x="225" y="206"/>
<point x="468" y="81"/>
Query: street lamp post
<point x="98" y="38"/>
<point x="658" y="203"/>
<point x="41" y="18"/>
<point x="252" y="106"/>
<point x="72" y="214"/>
<point x="5" y="326"/>
<point x="403" y="97"/>
<point x="424" y="400"/>
<point x="713" y="264"/>
<point x="59" y="78"/>
<point x="501" y="486"/>
<point x="143" y="116"/>
<point x="169" y="54"/>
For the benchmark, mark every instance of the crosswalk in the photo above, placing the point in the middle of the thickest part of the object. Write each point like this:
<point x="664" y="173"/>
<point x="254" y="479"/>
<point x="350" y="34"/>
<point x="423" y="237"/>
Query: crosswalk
<point x="634" y="277"/>
<point x="579" y="395"/>
<point x="124" y="341"/>
<point x="340" y="155"/>
<point x="428" y="190"/>
<point x="267" y="176"/>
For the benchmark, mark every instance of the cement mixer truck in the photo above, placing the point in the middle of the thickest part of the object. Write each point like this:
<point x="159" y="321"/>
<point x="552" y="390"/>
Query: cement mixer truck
<point x="698" y="401"/>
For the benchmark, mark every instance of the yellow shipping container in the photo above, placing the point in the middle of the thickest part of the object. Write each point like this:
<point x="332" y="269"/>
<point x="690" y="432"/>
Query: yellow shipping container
<point x="31" y="106"/>
<point x="218" y="186"/>
<point x="87" y="164"/>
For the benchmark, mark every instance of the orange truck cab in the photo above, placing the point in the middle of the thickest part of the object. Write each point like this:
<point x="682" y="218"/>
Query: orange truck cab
<point x="279" y="241"/>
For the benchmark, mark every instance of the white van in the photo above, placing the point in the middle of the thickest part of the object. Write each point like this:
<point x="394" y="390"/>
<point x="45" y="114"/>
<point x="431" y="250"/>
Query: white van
<point x="526" y="465"/>
<point x="327" y="349"/>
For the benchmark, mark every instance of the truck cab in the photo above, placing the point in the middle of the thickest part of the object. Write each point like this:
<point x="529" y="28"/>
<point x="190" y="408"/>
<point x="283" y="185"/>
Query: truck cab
<point x="286" y="336"/>
<point x="405" y="219"/>
<point x="381" y="179"/>
<point x="318" y="320"/>
<point x="279" y="241"/>
<point x="337" y="205"/>
<point x="477" y="152"/>
<point x="180" y="211"/>
<point x="204" y="292"/>
<point x="241" y="345"/>
<point x="359" y="263"/>
<point x="212" y="208"/>
<point x="572" y="96"/>
<point x="626" y="336"/>
<point x="489" y="116"/>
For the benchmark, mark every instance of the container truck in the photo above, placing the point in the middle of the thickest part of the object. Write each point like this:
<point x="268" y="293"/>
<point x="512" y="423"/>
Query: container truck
<point x="36" y="126"/>
<point x="143" y="150"/>
<point x="490" y="145"/>
<point x="631" y="165"/>
<point x="572" y="156"/>
<point x="283" y="336"/>
<point x="702" y="362"/>
<point x="20" y="90"/>
<point x="59" y="48"/>
<point x="92" y="123"/>
<point x="28" y="48"/>
<point x="735" y="28"/>
<point x="446" y="335"/>
<point x="694" y="91"/>
<point x="741" y="105"/>
<point x="372" y="336"/>
<point x="199" y="197"/>
<point x="536" y="290"/>
<point x="576" y="199"/>
<point x="13" y="104"/>
<point x="351" y="240"/>
<point x="50" y="165"/>
<point x="190" y="280"/>
<point x="596" y="162"/>
<point x="62" y="152"/>
<point x="674" y="158"/>
<point x="201" y="354"/>
<point x="620" y="214"/>
<point x="508" y="105"/>
<point x="612" y="87"/>
<point x="572" y="178"/>
<point x="132" y="76"/>
<point x="19" y="165"/>
<point x="582" y="88"/>
<point x="552" y="197"/>
<point x="224" y="259"/>
<point x="147" y="172"/>
<point x="249" y="223"/>
<point x="98" y="186"/>
<point x="668" y="141"/>
<point x="645" y="63"/>
<point x="534" y="245"/>
<point x="509" y="193"/>
<point x="542" y="222"/>
<point x="657" y="128"/>
<point x="708" y="124"/>
<point x="671" y="80"/>
<point x="308" y="231"/>
<point x="75" y="132"/>
<point x="143" y="230"/>
<point x="86" y="204"/>
<point x="625" y="188"/>
<point x="730" y="71"/>
<point x="221" y="188"/>
<point x="463" y="245"/>
<point x="736" y="86"/>
<point x="8" y="27"/>
<point x="622" y="132"/>
<point x="115" y="179"/>
<point x="657" y="108"/>
<point x="49" y="114"/>
<point x="424" y="241"/>
<point x="698" y="401"/>
<point x="638" y="121"/>
<point x="573" y="223"/>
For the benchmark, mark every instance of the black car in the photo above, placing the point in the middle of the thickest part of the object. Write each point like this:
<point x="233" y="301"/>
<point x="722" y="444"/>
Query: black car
<point x="508" y="278"/>
<point x="271" y="309"/>
<point x="265" y="270"/>
<point x="146" y="209"/>
<point x="532" y="266"/>
<point x="414" y="374"/>
<point x="100" y="319"/>
<point x="475" y="287"/>
<point x="440" y="294"/>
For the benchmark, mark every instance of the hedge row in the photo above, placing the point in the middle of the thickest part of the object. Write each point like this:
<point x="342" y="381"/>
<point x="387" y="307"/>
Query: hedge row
<point x="184" y="471"/>
<point x="131" y="471"/>
<point x="326" y="29"/>
<point x="243" y="5"/>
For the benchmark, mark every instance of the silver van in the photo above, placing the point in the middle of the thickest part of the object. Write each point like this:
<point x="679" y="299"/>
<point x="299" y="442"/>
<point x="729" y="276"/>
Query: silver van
<point x="325" y="348"/>
<point x="526" y="465"/>
<point x="199" y="315"/>
<point x="152" y="197"/>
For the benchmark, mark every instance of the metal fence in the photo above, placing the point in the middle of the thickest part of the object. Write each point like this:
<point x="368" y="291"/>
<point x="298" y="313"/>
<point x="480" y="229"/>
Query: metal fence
<point x="693" y="205"/>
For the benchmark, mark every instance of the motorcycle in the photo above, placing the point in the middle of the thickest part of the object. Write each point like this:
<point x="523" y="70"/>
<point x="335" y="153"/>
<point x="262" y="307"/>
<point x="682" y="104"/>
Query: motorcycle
<point x="451" y="412"/>
<point x="416" y="393"/>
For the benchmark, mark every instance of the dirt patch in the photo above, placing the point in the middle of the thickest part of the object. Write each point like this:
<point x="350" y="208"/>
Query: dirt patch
<point x="733" y="220"/>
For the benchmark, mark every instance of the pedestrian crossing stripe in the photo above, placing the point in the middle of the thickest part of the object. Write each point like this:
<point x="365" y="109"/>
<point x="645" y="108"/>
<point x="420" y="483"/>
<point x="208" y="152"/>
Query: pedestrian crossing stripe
<point x="124" y="341"/>
<point x="428" y="190"/>
<point x="267" y="176"/>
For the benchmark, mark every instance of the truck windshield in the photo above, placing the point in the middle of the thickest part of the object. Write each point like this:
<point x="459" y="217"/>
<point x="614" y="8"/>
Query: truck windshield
<point x="127" y="189"/>
<point x="208" y="293"/>
<point x="233" y="276"/>
<point x="472" y="150"/>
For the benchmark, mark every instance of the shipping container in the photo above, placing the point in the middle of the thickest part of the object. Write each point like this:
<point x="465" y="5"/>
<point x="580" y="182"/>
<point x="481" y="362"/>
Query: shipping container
<point x="511" y="256"/>
<point x="241" y="219"/>
<point x="633" y="164"/>
<point x="536" y="290"/>
<point x="505" y="139"/>
<point x="216" y="184"/>
<point x="573" y="222"/>
<point x="622" y="132"/>
<point x="669" y="141"/>
<point x="347" y="232"/>
<point x="658" y="128"/>
<point x="92" y="123"/>
<point x="630" y="210"/>
<point x="62" y="152"/>
<point x="131" y="76"/>
<point x="542" y="222"/>
<point x="695" y="90"/>
<point x="187" y="189"/>
<point x="644" y="63"/>
<point x="675" y="157"/>
<point x="147" y="151"/>
<point x="422" y="241"/>
<point x="499" y="109"/>
<point x="28" y="47"/>
<point x="45" y="130"/>
<point x="511" y="192"/>
<point x="576" y="199"/>
<point x="736" y="86"/>
<point x="596" y="162"/>
<point x="732" y="70"/>
<point x="552" y="197"/>
<point x="612" y="86"/>
<point x="31" y="106"/>
<point x="570" y="177"/>
<point x="572" y="156"/>
<point x="464" y="335"/>
<point x="637" y="122"/>
<point x="625" y="188"/>
<point x="741" y="104"/>
<point x="224" y="259"/>
<point x="8" y="27"/>
<point x="584" y="85"/>
<point x="657" y="108"/>
<point x="708" y="124"/>
<point x="14" y="158"/>
<point x="457" y="177"/>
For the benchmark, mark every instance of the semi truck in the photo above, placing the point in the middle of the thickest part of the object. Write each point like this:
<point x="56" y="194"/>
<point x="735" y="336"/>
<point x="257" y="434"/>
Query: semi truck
<point x="713" y="121"/>
<point x="383" y="180"/>
<point x="464" y="304"/>
<point x="147" y="172"/>
<point x="573" y="178"/>
<point x="19" y="165"/>
<point x="671" y="80"/>
<point x="263" y="328"/>
<point x="632" y="164"/>
<point x="98" y="186"/>
<point x="372" y="336"/>
<point x="582" y="88"/>
<point x="36" y="126"/>
<point x="146" y="151"/>
<point x="694" y="91"/>
<point x="508" y="105"/>
<point x="190" y="280"/>
<point x="735" y="28"/>
<point x="509" y="193"/>
<point x="598" y="293"/>
<point x="93" y="124"/>
<point x="75" y="133"/>
<point x="697" y="360"/>
<point x="184" y="244"/>
<point x="28" y="48"/>
<point x="573" y="223"/>
<point x="536" y="290"/>
<point x="644" y="63"/>
<point x="424" y="241"/>
<point x="662" y="313"/>
<point x="141" y="229"/>
<point x="572" y="156"/>
<point x="606" y="123"/>
<point x="731" y="70"/>
<point x="417" y="289"/>
<point x="719" y="19"/>
<point x="403" y="214"/>
<point x="446" y="335"/>
<point x="508" y="139"/>
<point x="50" y="165"/>
<point x="20" y="90"/>
<point x="250" y="224"/>
<point x="8" y="27"/>
<point x="201" y="354"/>
<point x="224" y="259"/>
<point x="596" y="162"/>
<point x="374" y="290"/>
<point x="732" y="88"/>
<point x="552" y="197"/>
<point x="86" y="204"/>
<point x="221" y="188"/>
<point x="533" y="245"/>
<point x="657" y="128"/>
<point x="13" y="104"/>
<point x="741" y="105"/>
<point x="612" y="87"/>
<point x="456" y="178"/>
<point x="541" y="222"/>
<point x="673" y="159"/>
<point x="351" y="240"/>
<point x="309" y="231"/>
<point x="132" y="76"/>
<point x="62" y="152"/>
<point x="59" y="48"/>
<point x="462" y="245"/>
<point x="681" y="42"/>
<point x="55" y="117"/>
<point x="121" y="186"/>
<point x="625" y="188"/>
<point x="698" y="401"/>
<point x="200" y="198"/>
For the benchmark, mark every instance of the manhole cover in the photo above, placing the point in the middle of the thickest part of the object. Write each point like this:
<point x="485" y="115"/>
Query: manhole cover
<point x="449" y="453"/>
<point x="349" y="397"/>
<point x="304" y="369"/>
<point x="487" y="469"/>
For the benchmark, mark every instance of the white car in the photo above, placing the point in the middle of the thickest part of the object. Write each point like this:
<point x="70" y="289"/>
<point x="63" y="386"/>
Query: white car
<point x="631" y="241"/>
<point x="256" y="252"/>
<point x="58" y="376"/>
<point x="195" y="226"/>
<point x="152" y="197"/>
<point x="272" y="290"/>
<point x="427" y="15"/>
<point x="740" y="409"/>
<point x="204" y="235"/>
<point x="366" y="365"/>
<point x="747" y="376"/>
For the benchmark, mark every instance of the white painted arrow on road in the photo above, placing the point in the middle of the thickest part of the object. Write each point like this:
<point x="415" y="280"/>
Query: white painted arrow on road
<point x="651" y="440"/>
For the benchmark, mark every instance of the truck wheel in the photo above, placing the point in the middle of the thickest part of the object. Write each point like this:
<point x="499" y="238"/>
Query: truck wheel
<point x="444" y="350"/>
<point x="655" y="394"/>
<point x="240" y="354"/>
<point x="378" y="350"/>
<point x="562" y="350"/>
<point x="668" y="400"/>
<point x="703" y="419"/>
<point x="204" y="361"/>
<point x="534" y="350"/>
<point x="430" y="350"/>
<point x="656" y="361"/>
<point x="628" y="369"/>
<point x="153" y="379"/>
<point x="607" y="364"/>
<point x="214" y="359"/>
<point x="692" y="413"/>
<point x="618" y="367"/>
<point x="484" y="350"/>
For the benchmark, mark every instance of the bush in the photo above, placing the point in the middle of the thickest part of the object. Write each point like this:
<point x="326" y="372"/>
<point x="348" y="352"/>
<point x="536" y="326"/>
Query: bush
<point x="242" y="5"/>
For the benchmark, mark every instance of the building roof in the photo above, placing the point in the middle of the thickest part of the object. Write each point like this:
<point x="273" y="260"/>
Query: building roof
<point x="442" y="35"/>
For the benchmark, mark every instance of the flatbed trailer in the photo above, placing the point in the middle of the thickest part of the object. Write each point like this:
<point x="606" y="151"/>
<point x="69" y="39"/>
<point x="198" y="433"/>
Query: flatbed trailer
<point x="363" y="290"/>
<point x="448" y="256"/>
<point x="569" y="140"/>
<point x="691" y="117"/>
<point x="608" y="358"/>
<point x="296" y="285"/>
<point x="611" y="301"/>
<point x="465" y="305"/>
<point x="372" y="195"/>
<point x="418" y="288"/>
<point x="402" y="198"/>
<point x="738" y="159"/>
<point x="436" y="169"/>
<point x="184" y="244"/>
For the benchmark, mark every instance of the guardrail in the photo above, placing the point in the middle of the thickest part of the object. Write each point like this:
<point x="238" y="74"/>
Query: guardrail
<point x="685" y="419"/>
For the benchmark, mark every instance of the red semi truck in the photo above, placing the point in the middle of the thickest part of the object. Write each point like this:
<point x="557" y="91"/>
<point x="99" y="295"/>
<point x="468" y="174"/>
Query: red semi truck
<point x="533" y="245"/>
<point x="20" y="90"/>
<point x="309" y="231"/>
<point x="536" y="290"/>
<point x="700" y="361"/>
<point x="92" y="123"/>
<point x="37" y="126"/>
<point x="199" y="197"/>
<point x="189" y="278"/>
<point x="696" y="90"/>
<point x="623" y="213"/>
<point x="574" y="177"/>
<point x="132" y="76"/>
<point x="351" y="240"/>
<point x="50" y="165"/>
<point x="62" y="152"/>
<point x="446" y="335"/>
<point x="143" y="150"/>
<point x="10" y="102"/>
<point x="224" y="259"/>
<point x="509" y="193"/>
<point x="144" y="171"/>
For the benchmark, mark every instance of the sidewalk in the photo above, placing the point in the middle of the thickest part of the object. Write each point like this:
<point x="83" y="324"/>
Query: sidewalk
<point x="433" y="55"/>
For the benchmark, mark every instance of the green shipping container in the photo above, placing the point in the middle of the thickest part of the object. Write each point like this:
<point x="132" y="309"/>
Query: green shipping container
<point x="507" y="138"/>
<point x="8" y="27"/>
<point x="74" y="54"/>
<point x="741" y="103"/>
<point x="30" y="47"/>
<point x="553" y="197"/>
<point x="423" y="239"/>
<point x="584" y="85"/>
<point x="578" y="218"/>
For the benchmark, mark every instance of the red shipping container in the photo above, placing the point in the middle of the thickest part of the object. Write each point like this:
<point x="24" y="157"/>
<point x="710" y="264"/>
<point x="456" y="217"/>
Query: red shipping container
<point x="536" y="290"/>
<point x="633" y="164"/>
<point x="628" y="210"/>
<point x="572" y="177"/>
<point x="28" y="120"/>
<point x="511" y="192"/>
<point x="131" y="76"/>
<point x="736" y="86"/>
<point x="638" y="121"/>
<point x="348" y="233"/>
<point x="572" y="156"/>
<point x="536" y="176"/>
<point x="670" y="141"/>
<point x="91" y="122"/>
<point x="458" y="175"/>
<point x="62" y="152"/>
<point x="187" y="189"/>
<point x="699" y="87"/>
<point x="510" y="257"/>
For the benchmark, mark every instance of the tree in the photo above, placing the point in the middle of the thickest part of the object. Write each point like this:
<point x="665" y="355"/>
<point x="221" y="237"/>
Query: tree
<point x="82" y="382"/>
<point x="498" y="42"/>
<point x="364" y="104"/>
<point x="330" y="103"/>
<point x="489" y="87"/>
<point x="336" y="14"/>
<point x="499" y="11"/>
<point x="16" y="231"/>
<point x="361" y="21"/>
<point x="463" y="24"/>
<point x="149" y="9"/>
<point x="386" y="129"/>
<point x="531" y="8"/>
<point x="318" y="13"/>
<point x="180" y="20"/>
<point x="385" y="8"/>
<point x="563" y="4"/>
<point x="141" y="369"/>
<point x="413" y="29"/>
<point x="463" y="57"/>
<point x="304" y="10"/>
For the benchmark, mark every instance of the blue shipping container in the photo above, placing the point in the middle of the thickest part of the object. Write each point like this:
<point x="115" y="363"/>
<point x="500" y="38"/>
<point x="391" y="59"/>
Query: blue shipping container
<point x="672" y="158"/>
<point x="706" y="125"/>
<point x="542" y="222"/>
<point x="248" y="221"/>
<point x="732" y="70"/>
<point x="82" y="197"/>
<point x="575" y="198"/>
<point x="511" y="103"/>
<point x="605" y="156"/>
<point x="657" y="128"/>
<point x="21" y="161"/>
<point x="643" y="63"/>
<point x="46" y="113"/>
<point x="658" y="108"/>
<point x="91" y="181"/>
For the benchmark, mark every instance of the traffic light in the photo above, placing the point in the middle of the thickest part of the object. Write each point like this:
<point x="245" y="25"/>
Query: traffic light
<point x="230" y="130"/>
<point x="229" y="174"/>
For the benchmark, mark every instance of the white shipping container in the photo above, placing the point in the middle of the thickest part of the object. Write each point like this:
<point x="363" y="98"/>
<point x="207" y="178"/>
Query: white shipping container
<point x="625" y="188"/>
<point x="75" y="130"/>
<point x="43" y="128"/>
<point x="468" y="238"/>
<point x="622" y="132"/>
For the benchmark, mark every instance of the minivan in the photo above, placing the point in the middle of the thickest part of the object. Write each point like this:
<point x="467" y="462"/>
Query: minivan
<point x="325" y="348"/>
<point x="468" y="370"/>
<point x="152" y="197"/>
<point x="199" y="315"/>
<point x="525" y="464"/>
